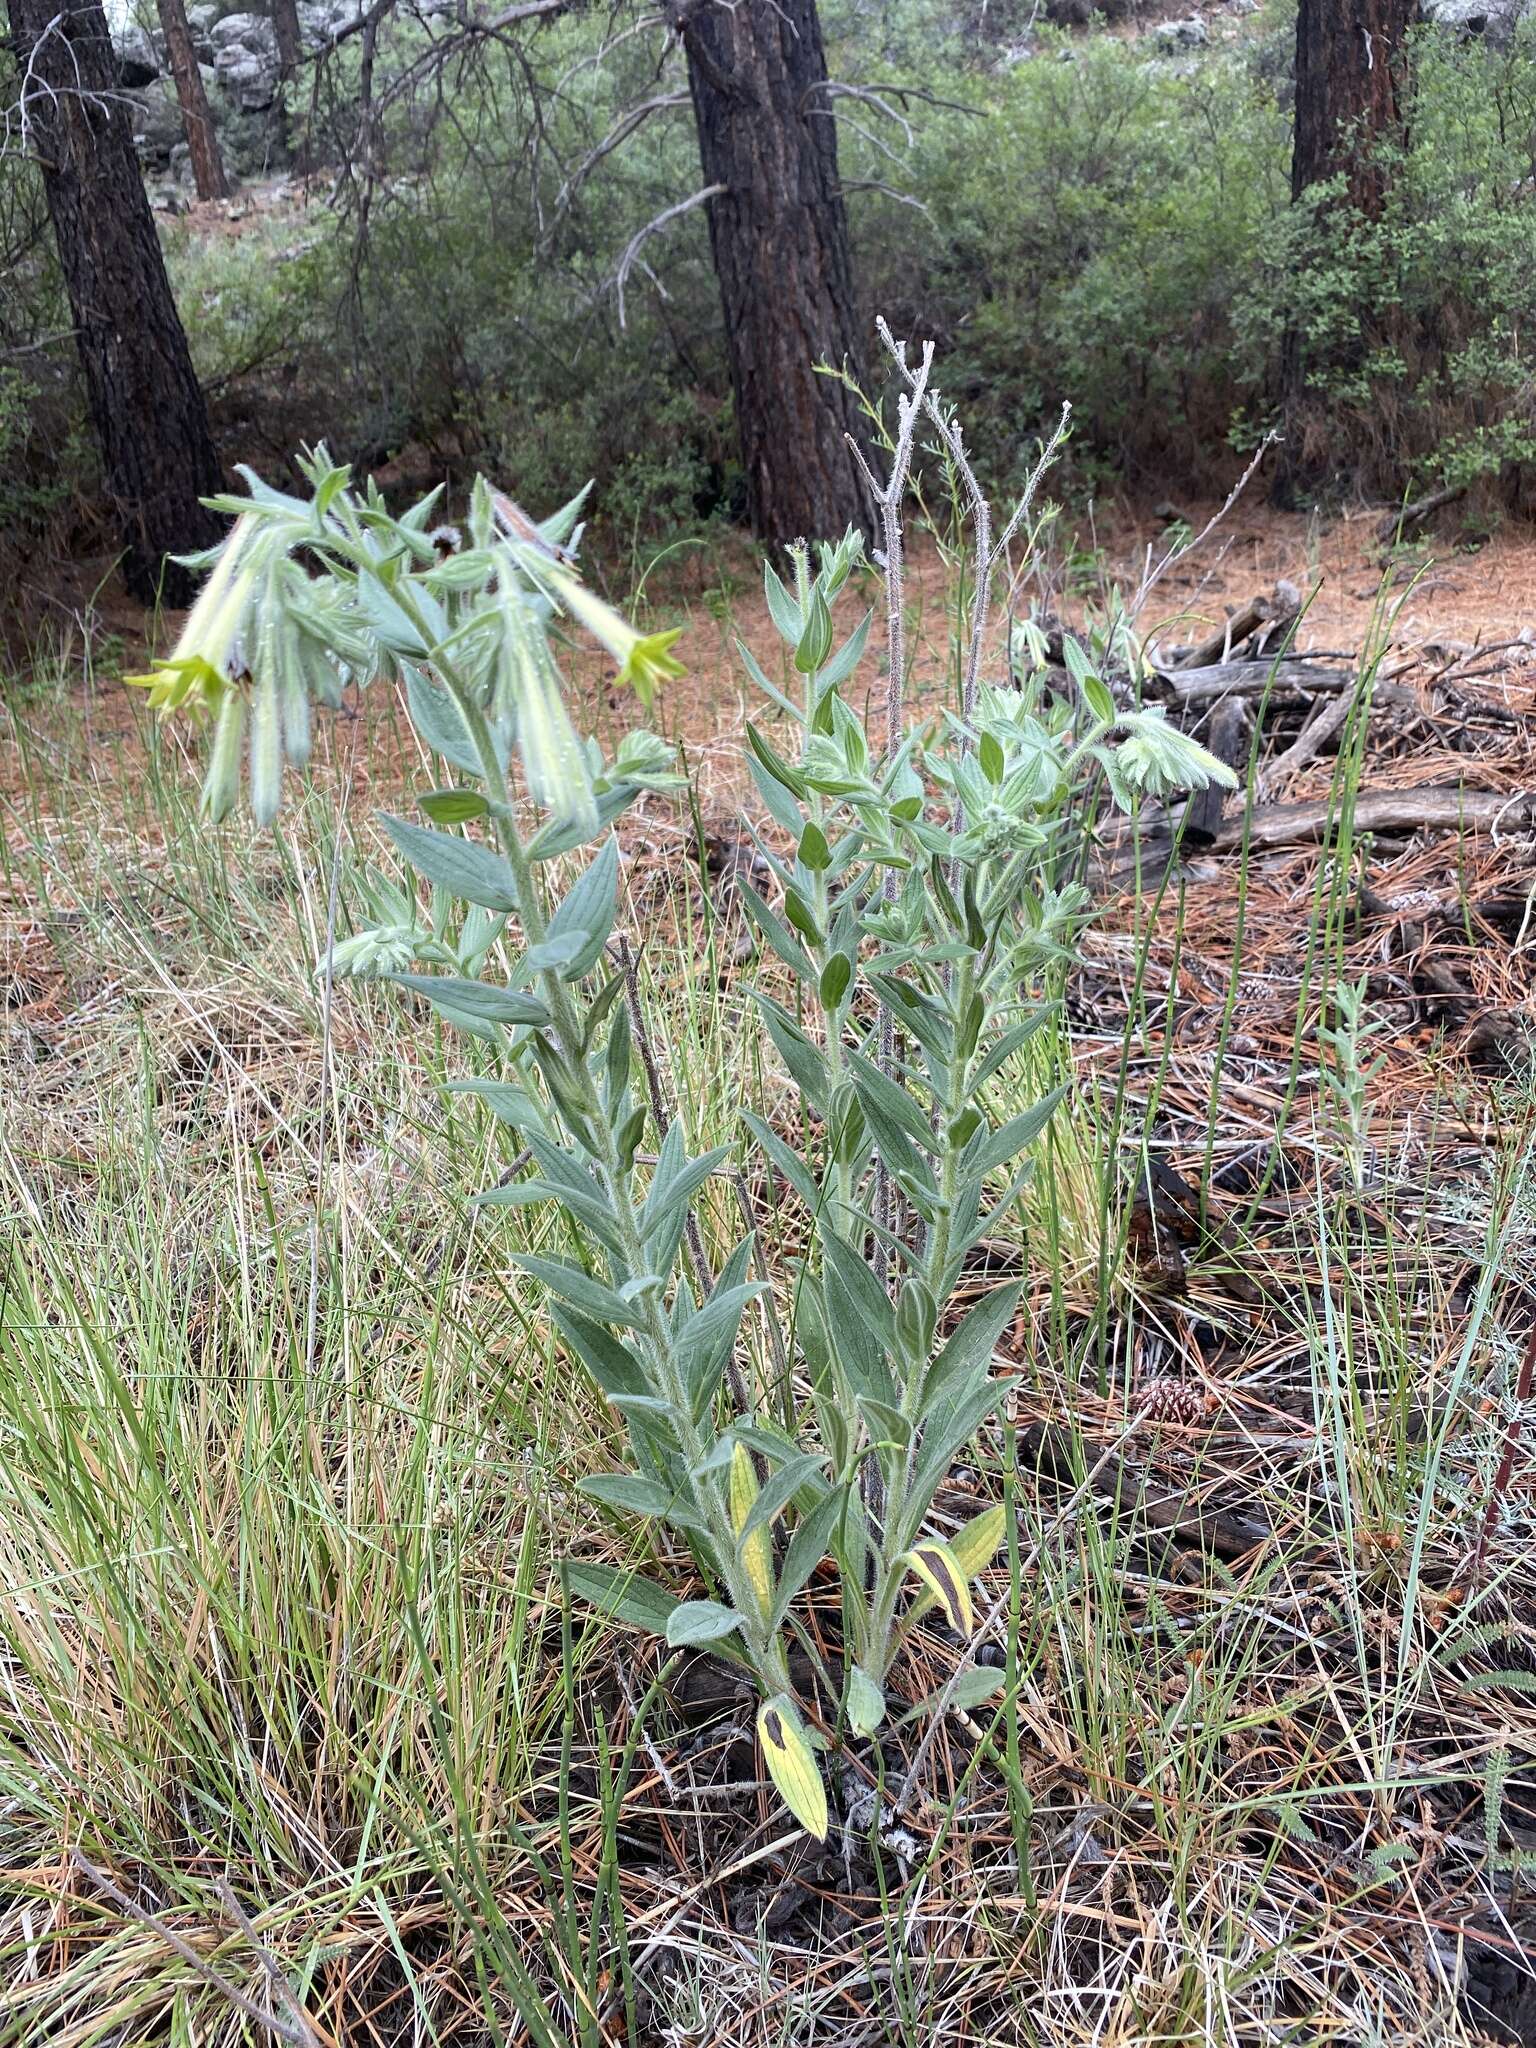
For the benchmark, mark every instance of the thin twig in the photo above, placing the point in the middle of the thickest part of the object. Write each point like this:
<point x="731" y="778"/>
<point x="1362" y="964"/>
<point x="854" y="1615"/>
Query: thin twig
<point x="277" y="1976"/>
<point x="285" y="2030"/>
<point x="1154" y="576"/>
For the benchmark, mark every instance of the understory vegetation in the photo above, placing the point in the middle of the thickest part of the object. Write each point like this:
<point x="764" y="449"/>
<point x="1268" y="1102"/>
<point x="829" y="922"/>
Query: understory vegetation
<point x="767" y="1297"/>
<point x="338" y="1703"/>
<point x="1100" y="218"/>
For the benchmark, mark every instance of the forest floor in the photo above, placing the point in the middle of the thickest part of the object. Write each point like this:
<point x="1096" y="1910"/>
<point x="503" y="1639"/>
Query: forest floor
<point x="1272" y="1777"/>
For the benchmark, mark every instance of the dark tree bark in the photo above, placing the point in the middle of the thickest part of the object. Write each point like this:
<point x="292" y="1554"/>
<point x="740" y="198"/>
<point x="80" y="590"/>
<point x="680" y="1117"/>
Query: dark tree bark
<point x="202" y="144"/>
<point x="779" y="237"/>
<point x="146" y="404"/>
<point x="1349" y="86"/>
<point x="290" y="39"/>
<point x="1351" y="76"/>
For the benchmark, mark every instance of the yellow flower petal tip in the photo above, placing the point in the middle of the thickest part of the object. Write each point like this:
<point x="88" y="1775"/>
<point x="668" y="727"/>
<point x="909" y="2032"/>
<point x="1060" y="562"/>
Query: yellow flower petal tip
<point x="650" y="663"/>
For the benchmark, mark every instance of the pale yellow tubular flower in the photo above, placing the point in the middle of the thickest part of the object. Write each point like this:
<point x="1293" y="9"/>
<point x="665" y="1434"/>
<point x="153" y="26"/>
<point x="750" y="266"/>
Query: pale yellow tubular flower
<point x="644" y="659"/>
<point x="553" y="759"/>
<point x="221" y="784"/>
<point x="195" y="673"/>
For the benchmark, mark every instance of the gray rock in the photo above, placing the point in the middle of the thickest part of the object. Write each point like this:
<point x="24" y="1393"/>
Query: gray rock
<point x="138" y="61"/>
<point x="245" y="60"/>
<point x="200" y="21"/>
<point x="322" y="21"/>
<point x="244" y="32"/>
<point x="1494" y="20"/>
<point x="157" y="124"/>
<point x="1191" y="34"/>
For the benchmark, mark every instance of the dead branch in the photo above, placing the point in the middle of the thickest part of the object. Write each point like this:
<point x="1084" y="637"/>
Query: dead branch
<point x="1407" y="517"/>
<point x="285" y="2030"/>
<point x="1287" y="682"/>
<point x="1391" y="810"/>
<point x="660" y="220"/>
<point x="1278" y="610"/>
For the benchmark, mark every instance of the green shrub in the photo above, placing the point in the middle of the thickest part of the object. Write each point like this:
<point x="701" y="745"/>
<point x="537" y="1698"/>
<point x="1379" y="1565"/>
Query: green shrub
<point x="1414" y="326"/>
<point x="1090" y="234"/>
<point x="1117" y="229"/>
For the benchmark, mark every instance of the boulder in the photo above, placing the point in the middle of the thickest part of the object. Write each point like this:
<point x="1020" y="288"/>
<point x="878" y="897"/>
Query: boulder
<point x="245" y="60"/>
<point x="1494" y="20"/>
<point x="1190" y="34"/>
<point x="157" y="124"/>
<point x="201" y="21"/>
<point x="138" y="61"/>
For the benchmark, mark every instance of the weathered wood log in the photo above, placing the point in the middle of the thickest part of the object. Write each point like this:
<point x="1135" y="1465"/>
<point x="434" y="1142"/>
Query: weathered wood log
<point x="1391" y="810"/>
<point x="1230" y="729"/>
<point x="1263" y="619"/>
<point x="1242" y="625"/>
<point x="1288" y="682"/>
<point x="1403" y="521"/>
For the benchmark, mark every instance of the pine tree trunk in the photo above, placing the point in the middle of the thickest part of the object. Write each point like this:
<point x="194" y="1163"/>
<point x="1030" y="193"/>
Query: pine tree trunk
<point x="1351" y="74"/>
<point x="290" y="38"/>
<point x="1349" y="84"/>
<point x="146" y="404"/>
<point x="779" y="237"/>
<point x="202" y="143"/>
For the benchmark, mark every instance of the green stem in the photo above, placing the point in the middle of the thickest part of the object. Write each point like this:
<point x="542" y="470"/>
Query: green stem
<point x="765" y="1648"/>
<point x="889" y="1572"/>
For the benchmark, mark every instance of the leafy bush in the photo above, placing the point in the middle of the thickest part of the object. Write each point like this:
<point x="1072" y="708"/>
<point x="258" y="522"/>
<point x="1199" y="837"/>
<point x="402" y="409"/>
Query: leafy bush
<point x="1119" y="227"/>
<point x="921" y="911"/>
<point x="1090" y="234"/>
<point x="1413" y="326"/>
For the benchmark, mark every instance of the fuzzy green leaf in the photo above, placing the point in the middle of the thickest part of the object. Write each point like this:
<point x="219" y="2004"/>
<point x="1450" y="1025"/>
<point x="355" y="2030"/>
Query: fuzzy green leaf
<point x="625" y="1595"/>
<point x="700" y="1621"/>
<point x="468" y="871"/>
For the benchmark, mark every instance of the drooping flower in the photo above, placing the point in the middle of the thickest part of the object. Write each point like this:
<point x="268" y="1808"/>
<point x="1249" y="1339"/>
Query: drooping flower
<point x="198" y="671"/>
<point x="645" y="659"/>
<point x="526" y="693"/>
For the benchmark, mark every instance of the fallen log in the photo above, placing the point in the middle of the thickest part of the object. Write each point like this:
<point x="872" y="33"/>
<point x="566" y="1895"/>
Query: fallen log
<point x="1230" y="727"/>
<point x="1241" y="626"/>
<point x="1391" y="810"/>
<point x="1407" y="517"/>
<point x="1287" y="682"/>
<point x="1276" y="612"/>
